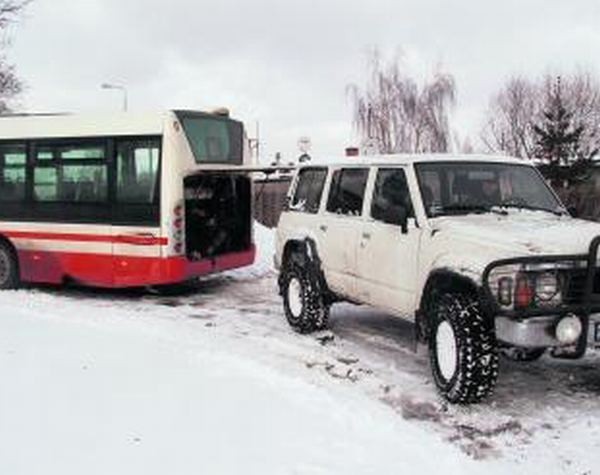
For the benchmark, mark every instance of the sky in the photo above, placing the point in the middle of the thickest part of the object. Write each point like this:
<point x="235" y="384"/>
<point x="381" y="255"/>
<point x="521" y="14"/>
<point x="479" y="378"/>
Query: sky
<point x="286" y="64"/>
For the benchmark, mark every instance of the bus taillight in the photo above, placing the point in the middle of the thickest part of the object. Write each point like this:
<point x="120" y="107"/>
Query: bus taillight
<point x="178" y="229"/>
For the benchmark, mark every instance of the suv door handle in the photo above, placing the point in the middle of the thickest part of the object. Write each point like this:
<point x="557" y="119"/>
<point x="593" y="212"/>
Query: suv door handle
<point x="366" y="235"/>
<point x="323" y="228"/>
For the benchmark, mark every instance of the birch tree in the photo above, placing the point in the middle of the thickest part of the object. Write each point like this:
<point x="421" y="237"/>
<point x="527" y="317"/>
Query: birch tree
<point x="10" y="85"/>
<point x="394" y="114"/>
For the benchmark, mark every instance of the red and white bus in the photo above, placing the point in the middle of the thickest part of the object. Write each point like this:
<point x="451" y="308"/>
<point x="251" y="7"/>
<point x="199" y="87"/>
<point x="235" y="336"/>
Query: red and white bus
<point x="122" y="201"/>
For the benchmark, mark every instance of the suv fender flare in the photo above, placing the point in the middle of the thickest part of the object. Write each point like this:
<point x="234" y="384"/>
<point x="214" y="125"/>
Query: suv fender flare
<point x="446" y="280"/>
<point x="306" y="249"/>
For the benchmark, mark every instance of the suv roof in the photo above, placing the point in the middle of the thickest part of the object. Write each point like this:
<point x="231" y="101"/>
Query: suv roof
<point x="408" y="159"/>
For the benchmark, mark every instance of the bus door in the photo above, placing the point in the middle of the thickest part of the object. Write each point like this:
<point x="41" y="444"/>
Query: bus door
<point x="137" y="240"/>
<point x="218" y="213"/>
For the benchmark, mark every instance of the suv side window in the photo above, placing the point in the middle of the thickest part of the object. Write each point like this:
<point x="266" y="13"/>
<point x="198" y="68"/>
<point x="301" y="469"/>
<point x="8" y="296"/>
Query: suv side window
<point x="431" y="189"/>
<point x="309" y="189"/>
<point x="347" y="191"/>
<point x="391" y="196"/>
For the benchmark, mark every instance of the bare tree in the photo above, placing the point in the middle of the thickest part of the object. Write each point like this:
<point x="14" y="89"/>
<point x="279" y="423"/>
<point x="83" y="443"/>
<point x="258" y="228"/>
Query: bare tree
<point x="10" y="84"/>
<point x="519" y="105"/>
<point x="392" y="114"/>
<point x="510" y="119"/>
<point x="581" y="93"/>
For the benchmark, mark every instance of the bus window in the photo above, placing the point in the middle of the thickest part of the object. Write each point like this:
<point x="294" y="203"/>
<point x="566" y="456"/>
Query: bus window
<point x="70" y="174"/>
<point x="45" y="184"/>
<point x="13" y="160"/>
<point x="137" y="171"/>
<point x="213" y="139"/>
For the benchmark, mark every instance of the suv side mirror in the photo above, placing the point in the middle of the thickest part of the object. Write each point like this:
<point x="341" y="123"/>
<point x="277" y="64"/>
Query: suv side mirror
<point x="397" y="215"/>
<point x="573" y="211"/>
<point x="403" y="219"/>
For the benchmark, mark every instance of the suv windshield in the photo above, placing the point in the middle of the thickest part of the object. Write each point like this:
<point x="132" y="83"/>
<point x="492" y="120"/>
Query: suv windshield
<point x="477" y="187"/>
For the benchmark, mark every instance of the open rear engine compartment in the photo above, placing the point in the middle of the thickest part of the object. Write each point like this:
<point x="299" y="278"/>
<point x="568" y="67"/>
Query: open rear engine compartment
<point x="218" y="214"/>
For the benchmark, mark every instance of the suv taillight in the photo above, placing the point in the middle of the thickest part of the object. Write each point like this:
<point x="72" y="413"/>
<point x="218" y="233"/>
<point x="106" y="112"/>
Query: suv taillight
<point x="524" y="292"/>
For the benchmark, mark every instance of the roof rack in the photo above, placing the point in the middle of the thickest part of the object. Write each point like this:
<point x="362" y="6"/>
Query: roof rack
<point x="32" y="114"/>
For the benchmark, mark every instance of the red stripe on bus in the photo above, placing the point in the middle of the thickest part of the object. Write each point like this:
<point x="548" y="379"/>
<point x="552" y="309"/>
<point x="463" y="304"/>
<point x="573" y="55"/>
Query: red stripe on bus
<point x="106" y="270"/>
<point x="141" y="240"/>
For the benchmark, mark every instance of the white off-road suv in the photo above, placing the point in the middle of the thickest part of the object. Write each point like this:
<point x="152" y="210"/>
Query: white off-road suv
<point x="478" y="251"/>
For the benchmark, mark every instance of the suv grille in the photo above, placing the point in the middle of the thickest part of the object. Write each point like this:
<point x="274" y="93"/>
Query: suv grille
<point x="575" y="285"/>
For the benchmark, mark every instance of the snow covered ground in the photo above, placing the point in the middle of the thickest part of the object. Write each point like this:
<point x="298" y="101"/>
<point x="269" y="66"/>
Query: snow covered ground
<point x="214" y="381"/>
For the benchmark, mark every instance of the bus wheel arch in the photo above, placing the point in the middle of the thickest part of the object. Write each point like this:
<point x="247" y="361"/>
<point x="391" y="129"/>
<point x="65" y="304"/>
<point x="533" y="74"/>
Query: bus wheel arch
<point x="10" y="269"/>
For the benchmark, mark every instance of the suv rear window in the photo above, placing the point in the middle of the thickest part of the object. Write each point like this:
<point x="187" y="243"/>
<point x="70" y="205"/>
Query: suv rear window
<point x="309" y="189"/>
<point x="347" y="191"/>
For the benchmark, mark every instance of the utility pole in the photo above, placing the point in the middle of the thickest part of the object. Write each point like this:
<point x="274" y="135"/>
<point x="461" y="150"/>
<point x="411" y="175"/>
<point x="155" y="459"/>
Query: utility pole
<point x="120" y="88"/>
<point x="255" y="143"/>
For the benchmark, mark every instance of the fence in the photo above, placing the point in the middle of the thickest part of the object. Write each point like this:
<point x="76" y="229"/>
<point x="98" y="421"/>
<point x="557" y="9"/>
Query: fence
<point x="269" y="199"/>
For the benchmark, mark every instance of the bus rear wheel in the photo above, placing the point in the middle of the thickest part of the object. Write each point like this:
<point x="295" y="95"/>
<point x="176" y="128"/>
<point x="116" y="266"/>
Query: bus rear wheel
<point x="9" y="268"/>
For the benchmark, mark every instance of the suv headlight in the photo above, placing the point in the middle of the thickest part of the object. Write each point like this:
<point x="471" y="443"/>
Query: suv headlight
<point x="546" y="286"/>
<point x="515" y="287"/>
<point x="501" y="282"/>
<point x="505" y="291"/>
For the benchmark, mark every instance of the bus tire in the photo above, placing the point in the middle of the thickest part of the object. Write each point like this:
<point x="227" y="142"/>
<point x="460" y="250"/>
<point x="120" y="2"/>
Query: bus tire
<point x="305" y="308"/>
<point x="9" y="267"/>
<point x="462" y="349"/>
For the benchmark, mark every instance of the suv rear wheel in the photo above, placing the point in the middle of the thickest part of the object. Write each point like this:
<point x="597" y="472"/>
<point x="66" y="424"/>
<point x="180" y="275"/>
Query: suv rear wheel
<point x="304" y="306"/>
<point x="462" y="349"/>
<point x="9" y="270"/>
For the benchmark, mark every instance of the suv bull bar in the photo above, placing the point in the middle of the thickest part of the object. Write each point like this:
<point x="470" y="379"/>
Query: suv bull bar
<point x="586" y="304"/>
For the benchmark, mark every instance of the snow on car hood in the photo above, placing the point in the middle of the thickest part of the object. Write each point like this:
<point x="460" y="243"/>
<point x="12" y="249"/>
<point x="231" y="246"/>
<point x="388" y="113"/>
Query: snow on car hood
<point x="519" y="232"/>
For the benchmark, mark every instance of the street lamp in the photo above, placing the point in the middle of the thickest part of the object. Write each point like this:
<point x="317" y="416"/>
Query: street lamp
<point x="120" y="88"/>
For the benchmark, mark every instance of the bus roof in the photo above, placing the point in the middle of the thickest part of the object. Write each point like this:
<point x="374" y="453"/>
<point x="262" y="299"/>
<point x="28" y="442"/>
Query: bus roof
<point x="37" y="126"/>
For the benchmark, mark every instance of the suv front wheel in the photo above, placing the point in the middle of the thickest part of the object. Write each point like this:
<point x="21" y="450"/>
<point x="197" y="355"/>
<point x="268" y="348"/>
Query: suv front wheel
<point x="304" y="306"/>
<point x="462" y="349"/>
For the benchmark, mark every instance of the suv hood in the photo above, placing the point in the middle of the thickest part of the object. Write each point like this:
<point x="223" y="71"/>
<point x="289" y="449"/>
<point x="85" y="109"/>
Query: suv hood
<point x="520" y="232"/>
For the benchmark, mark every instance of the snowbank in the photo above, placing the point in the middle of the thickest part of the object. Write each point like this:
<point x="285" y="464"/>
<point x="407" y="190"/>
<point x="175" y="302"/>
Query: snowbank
<point x="264" y="239"/>
<point x="214" y="381"/>
<point x="95" y="389"/>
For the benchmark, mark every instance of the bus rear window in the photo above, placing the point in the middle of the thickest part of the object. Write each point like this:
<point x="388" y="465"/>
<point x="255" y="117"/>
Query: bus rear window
<point x="214" y="139"/>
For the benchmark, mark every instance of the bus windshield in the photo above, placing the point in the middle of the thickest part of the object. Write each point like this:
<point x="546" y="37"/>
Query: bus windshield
<point x="461" y="188"/>
<point x="213" y="139"/>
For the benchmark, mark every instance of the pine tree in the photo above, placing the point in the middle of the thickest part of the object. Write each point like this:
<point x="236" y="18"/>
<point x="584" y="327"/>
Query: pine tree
<point x="558" y="143"/>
